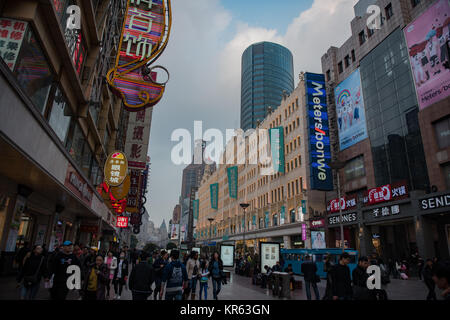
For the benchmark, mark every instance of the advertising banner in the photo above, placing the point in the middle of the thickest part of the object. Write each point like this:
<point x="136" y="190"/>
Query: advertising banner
<point x="174" y="234"/>
<point x="270" y="254"/>
<point x="317" y="224"/>
<point x="214" y="191"/>
<point x="350" y="111"/>
<point x="232" y="173"/>
<point x="276" y="136"/>
<point x="318" y="240"/>
<point x="12" y="33"/>
<point x="427" y="41"/>
<point x="347" y="203"/>
<point x="134" y="193"/>
<point x="138" y="136"/>
<point x="318" y="132"/>
<point x="227" y="255"/>
<point x="396" y="191"/>
<point x="303" y="231"/>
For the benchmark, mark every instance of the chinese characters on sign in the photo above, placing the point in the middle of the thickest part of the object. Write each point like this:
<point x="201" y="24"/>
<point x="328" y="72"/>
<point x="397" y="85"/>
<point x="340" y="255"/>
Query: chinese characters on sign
<point x="386" y="211"/>
<point x="138" y="136"/>
<point x="116" y="169"/>
<point x="12" y="33"/>
<point x="133" y="195"/>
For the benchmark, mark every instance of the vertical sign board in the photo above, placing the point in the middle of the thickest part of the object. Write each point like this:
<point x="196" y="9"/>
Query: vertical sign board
<point x="133" y="195"/>
<point x="138" y="136"/>
<point x="276" y="136"/>
<point x="270" y="254"/>
<point x="232" y="173"/>
<point x="145" y="33"/>
<point x="12" y="33"/>
<point x="318" y="132"/>
<point x="227" y="255"/>
<point x="196" y="204"/>
<point x="214" y="190"/>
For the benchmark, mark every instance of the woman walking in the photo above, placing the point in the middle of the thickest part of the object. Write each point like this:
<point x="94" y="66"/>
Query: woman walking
<point x="111" y="262"/>
<point x="204" y="275"/>
<point x="120" y="275"/>
<point x="34" y="268"/>
<point x="216" y="270"/>
<point x="96" y="278"/>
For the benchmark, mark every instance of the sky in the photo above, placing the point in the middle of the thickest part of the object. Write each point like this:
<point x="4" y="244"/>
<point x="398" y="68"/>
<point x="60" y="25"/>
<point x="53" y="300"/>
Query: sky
<point x="204" y="60"/>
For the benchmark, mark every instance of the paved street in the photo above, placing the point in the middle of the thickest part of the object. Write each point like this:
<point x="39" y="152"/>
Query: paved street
<point x="240" y="288"/>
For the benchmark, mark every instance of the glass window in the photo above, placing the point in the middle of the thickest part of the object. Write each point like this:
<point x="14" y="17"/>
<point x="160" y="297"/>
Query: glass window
<point x="442" y="130"/>
<point x="354" y="168"/>
<point x="86" y="159"/>
<point x="75" y="142"/>
<point x="446" y="170"/>
<point x="33" y="72"/>
<point x="60" y="115"/>
<point x="275" y="220"/>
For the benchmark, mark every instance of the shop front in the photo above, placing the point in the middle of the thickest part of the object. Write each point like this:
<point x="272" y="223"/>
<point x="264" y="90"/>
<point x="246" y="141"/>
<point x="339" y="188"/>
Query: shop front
<point x="350" y="221"/>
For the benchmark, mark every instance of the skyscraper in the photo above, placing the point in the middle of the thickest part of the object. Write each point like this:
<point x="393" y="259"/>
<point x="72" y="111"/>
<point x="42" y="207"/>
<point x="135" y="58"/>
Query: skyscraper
<point x="267" y="71"/>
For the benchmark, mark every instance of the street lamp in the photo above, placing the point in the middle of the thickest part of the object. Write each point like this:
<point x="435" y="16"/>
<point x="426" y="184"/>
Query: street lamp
<point x="336" y="165"/>
<point x="244" y="206"/>
<point x="210" y="229"/>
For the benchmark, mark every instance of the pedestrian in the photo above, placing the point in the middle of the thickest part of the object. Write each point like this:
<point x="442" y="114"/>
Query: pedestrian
<point x="441" y="277"/>
<point x="120" y="276"/>
<point x="309" y="270"/>
<point x="61" y="261"/>
<point x="420" y="267"/>
<point x="21" y="255"/>
<point x="111" y="262"/>
<point x="134" y="257"/>
<point x="192" y="268"/>
<point x="204" y="275"/>
<point x="428" y="279"/>
<point x="359" y="280"/>
<point x="216" y="270"/>
<point x="29" y="278"/>
<point x="290" y="271"/>
<point x="266" y="277"/>
<point x="277" y="267"/>
<point x="327" y="267"/>
<point x="174" y="278"/>
<point x="341" y="281"/>
<point x="141" y="279"/>
<point x="96" y="277"/>
<point x="158" y="267"/>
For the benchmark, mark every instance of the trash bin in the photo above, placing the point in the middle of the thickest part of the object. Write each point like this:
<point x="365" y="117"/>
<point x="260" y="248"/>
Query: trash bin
<point x="284" y="280"/>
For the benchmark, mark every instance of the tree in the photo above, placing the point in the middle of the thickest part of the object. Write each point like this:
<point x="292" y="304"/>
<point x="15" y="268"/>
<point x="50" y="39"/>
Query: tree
<point x="171" y="246"/>
<point x="150" y="247"/>
<point x="133" y="242"/>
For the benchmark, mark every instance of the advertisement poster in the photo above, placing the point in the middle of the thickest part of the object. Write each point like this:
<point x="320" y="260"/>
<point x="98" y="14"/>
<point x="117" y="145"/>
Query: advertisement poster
<point x="426" y="39"/>
<point x="318" y="132"/>
<point x="350" y="111"/>
<point x="175" y="231"/>
<point x="227" y="255"/>
<point x="233" y="181"/>
<point x="318" y="240"/>
<point x="12" y="33"/>
<point x="270" y="254"/>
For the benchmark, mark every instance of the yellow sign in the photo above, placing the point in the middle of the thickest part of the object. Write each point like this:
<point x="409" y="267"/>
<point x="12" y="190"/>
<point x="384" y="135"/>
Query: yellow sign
<point x="116" y="169"/>
<point x="121" y="191"/>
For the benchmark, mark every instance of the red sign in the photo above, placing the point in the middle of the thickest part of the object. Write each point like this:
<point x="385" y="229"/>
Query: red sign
<point x="385" y="193"/>
<point x="122" y="222"/>
<point x="347" y="203"/>
<point x="315" y="224"/>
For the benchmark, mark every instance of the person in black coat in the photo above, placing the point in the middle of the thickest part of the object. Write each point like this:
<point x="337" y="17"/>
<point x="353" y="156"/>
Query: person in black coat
<point x="141" y="279"/>
<point x="120" y="275"/>
<point x="341" y="287"/>
<point x="34" y="268"/>
<point x="215" y="269"/>
<point x="428" y="279"/>
<point x="309" y="270"/>
<point x="360" y="276"/>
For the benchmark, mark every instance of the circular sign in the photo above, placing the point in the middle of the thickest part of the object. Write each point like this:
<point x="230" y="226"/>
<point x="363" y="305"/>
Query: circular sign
<point x="121" y="191"/>
<point x="116" y="169"/>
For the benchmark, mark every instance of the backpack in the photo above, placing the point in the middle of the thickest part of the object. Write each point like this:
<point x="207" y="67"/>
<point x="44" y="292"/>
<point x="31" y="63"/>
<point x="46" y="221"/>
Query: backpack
<point x="176" y="277"/>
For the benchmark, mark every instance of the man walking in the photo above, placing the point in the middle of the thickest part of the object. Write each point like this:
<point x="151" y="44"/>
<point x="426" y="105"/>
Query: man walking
<point x="428" y="279"/>
<point x="158" y="267"/>
<point x="360" y="276"/>
<point x="141" y="279"/>
<point x="174" y="278"/>
<point x="309" y="270"/>
<point x="341" y="281"/>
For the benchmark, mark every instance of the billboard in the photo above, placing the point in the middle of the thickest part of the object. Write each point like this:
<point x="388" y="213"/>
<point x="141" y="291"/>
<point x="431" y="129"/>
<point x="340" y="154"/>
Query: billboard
<point x="318" y="132"/>
<point x="175" y="232"/>
<point x="350" y="111"/>
<point x="318" y="240"/>
<point x="227" y="255"/>
<point x="427" y="41"/>
<point x="270" y="254"/>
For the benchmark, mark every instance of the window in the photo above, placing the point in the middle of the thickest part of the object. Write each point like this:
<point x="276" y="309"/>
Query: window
<point x="75" y="142"/>
<point x="275" y="220"/>
<point x="353" y="56"/>
<point x="442" y="130"/>
<point x="389" y="11"/>
<point x="60" y="115"/>
<point x="354" y="168"/>
<point x="340" y="68"/>
<point x="328" y="75"/>
<point x="362" y="37"/>
<point x="414" y="3"/>
<point x="347" y="61"/>
<point x="446" y="171"/>
<point x="292" y="214"/>
<point x="370" y="32"/>
<point x="33" y="72"/>
<point x="86" y="159"/>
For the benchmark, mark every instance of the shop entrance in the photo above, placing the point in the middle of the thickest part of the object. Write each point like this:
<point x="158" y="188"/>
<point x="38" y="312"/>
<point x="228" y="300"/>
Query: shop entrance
<point x="394" y="241"/>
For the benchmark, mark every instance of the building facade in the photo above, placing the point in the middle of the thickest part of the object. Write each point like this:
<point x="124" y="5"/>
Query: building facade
<point x="395" y="151"/>
<point x="267" y="72"/>
<point x="52" y="84"/>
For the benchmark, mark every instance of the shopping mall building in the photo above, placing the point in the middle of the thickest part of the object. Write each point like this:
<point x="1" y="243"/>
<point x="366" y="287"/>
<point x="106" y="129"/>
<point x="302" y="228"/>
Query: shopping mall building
<point x="58" y="122"/>
<point x="390" y="125"/>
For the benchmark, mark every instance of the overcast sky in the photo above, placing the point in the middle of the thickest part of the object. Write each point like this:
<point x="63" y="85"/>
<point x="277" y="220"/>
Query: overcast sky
<point x="204" y="60"/>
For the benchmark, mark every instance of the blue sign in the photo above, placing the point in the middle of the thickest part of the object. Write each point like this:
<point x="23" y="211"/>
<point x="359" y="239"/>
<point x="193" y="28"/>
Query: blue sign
<point x="350" y="111"/>
<point x="318" y="132"/>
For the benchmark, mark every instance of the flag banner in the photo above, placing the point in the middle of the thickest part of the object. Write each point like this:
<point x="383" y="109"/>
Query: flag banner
<point x="276" y="136"/>
<point x="233" y="181"/>
<point x="214" y="189"/>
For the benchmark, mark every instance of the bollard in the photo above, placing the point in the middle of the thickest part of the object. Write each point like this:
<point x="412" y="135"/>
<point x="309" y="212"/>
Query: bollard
<point x="285" y="291"/>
